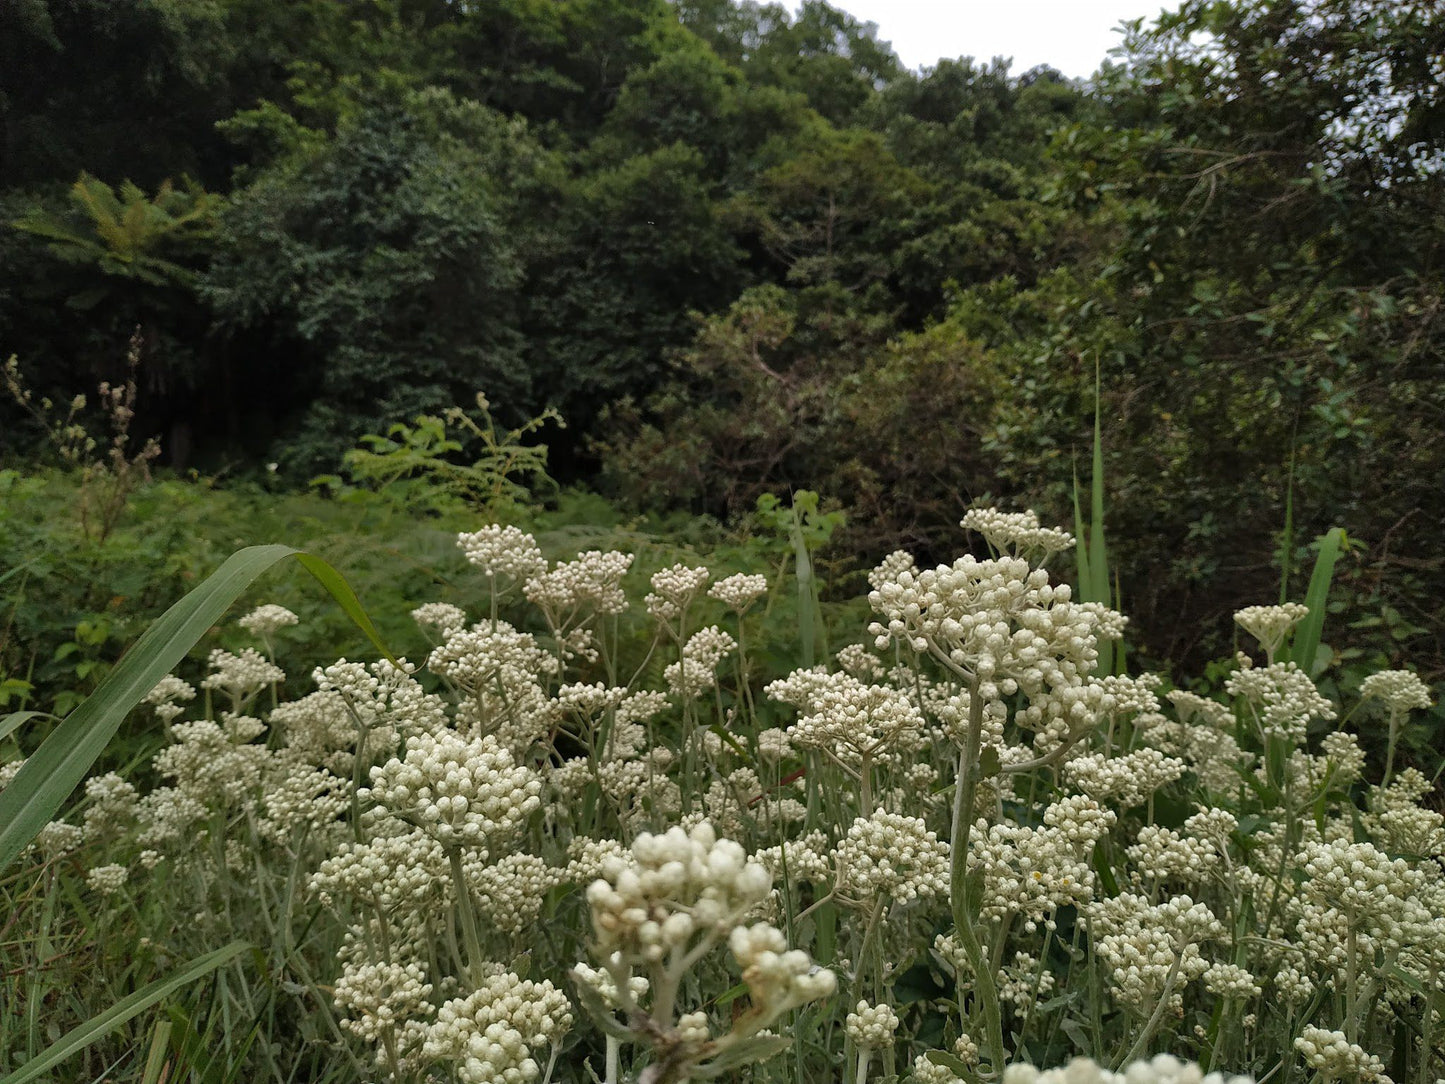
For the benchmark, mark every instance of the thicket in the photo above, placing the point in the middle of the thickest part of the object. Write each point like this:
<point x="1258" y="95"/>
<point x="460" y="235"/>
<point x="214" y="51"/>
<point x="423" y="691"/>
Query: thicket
<point x="745" y="250"/>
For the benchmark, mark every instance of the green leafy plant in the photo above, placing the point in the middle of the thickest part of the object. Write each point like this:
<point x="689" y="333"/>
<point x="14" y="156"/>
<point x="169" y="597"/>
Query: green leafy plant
<point x="441" y="460"/>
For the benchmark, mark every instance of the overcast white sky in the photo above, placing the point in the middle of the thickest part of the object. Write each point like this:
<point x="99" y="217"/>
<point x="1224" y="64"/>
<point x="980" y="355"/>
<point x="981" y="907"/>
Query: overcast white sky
<point x="1071" y="35"/>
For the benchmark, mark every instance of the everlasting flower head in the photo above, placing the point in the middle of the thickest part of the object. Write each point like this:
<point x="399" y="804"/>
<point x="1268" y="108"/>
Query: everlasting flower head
<point x="496" y="1032"/>
<point x="266" y="621"/>
<point x="458" y="790"/>
<point x="739" y="591"/>
<point x="872" y="1026"/>
<point x="1017" y="533"/>
<point x="503" y="551"/>
<point x="1401" y="690"/>
<point x="441" y="617"/>
<point x="671" y="887"/>
<point x="673" y="589"/>
<point x="592" y="584"/>
<point x="243" y="675"/>
<point x="696" y="672"/>
<point x="1271" y="624"/>
<point x="893" y="855"/>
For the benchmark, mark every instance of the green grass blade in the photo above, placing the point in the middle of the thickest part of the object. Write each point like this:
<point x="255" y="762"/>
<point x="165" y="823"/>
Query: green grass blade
<point x="122" y="1011"/>
<point x="1307" y="636"/>
<point x="806" y="607"/>
<point x="53" y="771"/>
<point x="156" y="1059"/>
<point x="16" y="719"/>
<point x="1081" y="545"/>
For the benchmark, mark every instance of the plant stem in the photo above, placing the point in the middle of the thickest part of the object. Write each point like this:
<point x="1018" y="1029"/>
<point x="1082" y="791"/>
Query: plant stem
<point x="471" y="935"/>
<point x="965" y="787"/>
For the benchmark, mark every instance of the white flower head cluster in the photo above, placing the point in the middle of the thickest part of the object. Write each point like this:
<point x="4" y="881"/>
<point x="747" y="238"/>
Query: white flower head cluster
<point x="1127" y="780"/>
<point x="378" y="998"/>
<point x="739" y="591"/>
<point x="265" y="621"/>
<point x="1334" y="1057"/>
<point x="1152" y="950"/>
<point x="1282" y="698"/>
<point x="891" y="567"/>
<point x="1401" y="690"/>
<point x="441" y="617"/>
<point x="1271" y="624"/>
<point x="872" y="1026"/>
<point x="674" y="589"/>
<point x="1001" y="623"/>
<point x="503" y="551"/>
<point x="241" y="676"/>
<point x="107" y="880"/>
<point x="168" y="696"/>
<point x="1034" y="871"/>
<point x="461" y="791"/>
<point x="601" y="983"/>
<point x="853" y="720"/>
<point x="671" y="888"/>
<point x="512" y="891"/>
<point x="1160" y="1069"/>
<point x="1018" y="534"/>
<point x="493" y="1034"/>
<point x="696" y="672"/>
<point x="778" y="978"/>
<point x="1162" y="854"/>
<point x="404" y="871"/>
<point x="592" y="584"/>
<point x="1355" y="889"/>
<point x="892" y="855"/>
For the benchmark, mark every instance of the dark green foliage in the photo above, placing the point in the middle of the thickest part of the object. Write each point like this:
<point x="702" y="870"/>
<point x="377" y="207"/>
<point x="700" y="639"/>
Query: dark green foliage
<point x="741" y="248"/>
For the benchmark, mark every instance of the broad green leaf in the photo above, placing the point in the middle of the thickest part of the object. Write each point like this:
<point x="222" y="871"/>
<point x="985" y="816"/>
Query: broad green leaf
<point x="123" y="1010"/>
<point x="53" y="771"/>
<point x="16" y="719"/>
<point x="1307" y="635"/>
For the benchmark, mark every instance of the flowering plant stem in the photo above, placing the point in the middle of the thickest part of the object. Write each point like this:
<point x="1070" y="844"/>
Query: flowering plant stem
<point x="964" y="792"/>
<point x="471" y="935"/>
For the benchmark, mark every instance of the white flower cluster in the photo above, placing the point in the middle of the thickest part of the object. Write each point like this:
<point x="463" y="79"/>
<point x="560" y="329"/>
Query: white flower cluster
<point x="673" y="589"/>
<point x="778" y="978"/>
<point x="1401" y="690"/>
<point x="378" y="999"/>
<point x="1034" y="871"/>
<point x="1271" y="624"/>
<point x="1160" y="1069"/>
<point x="892" y="855"/>
<point x="1334" y="1057"/>
<point x="1152" y="950"/>
<point x="107" y="880"/>
<point x="739" y="591"/>
<point x="442" y="617"/>
<point x="493" y="1034"/>
<point x="872" y="1026"/>
<point x="241" y="676"/>
<point x="1002" y="624"/>
<point x="670" y="888"/>
<point x="696" y="672"/>
<point x="1127" y="780"/>
<point x="591" y="584"/>
<point x="1282" y="698"/>
<point x="168" y="696"/>
<point x="458" y="790"/>
<point x="265" y="621"/>
<point x="1017" y="533"/>
<point x="851" y="720"/>
<point x="503" y="551"/>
